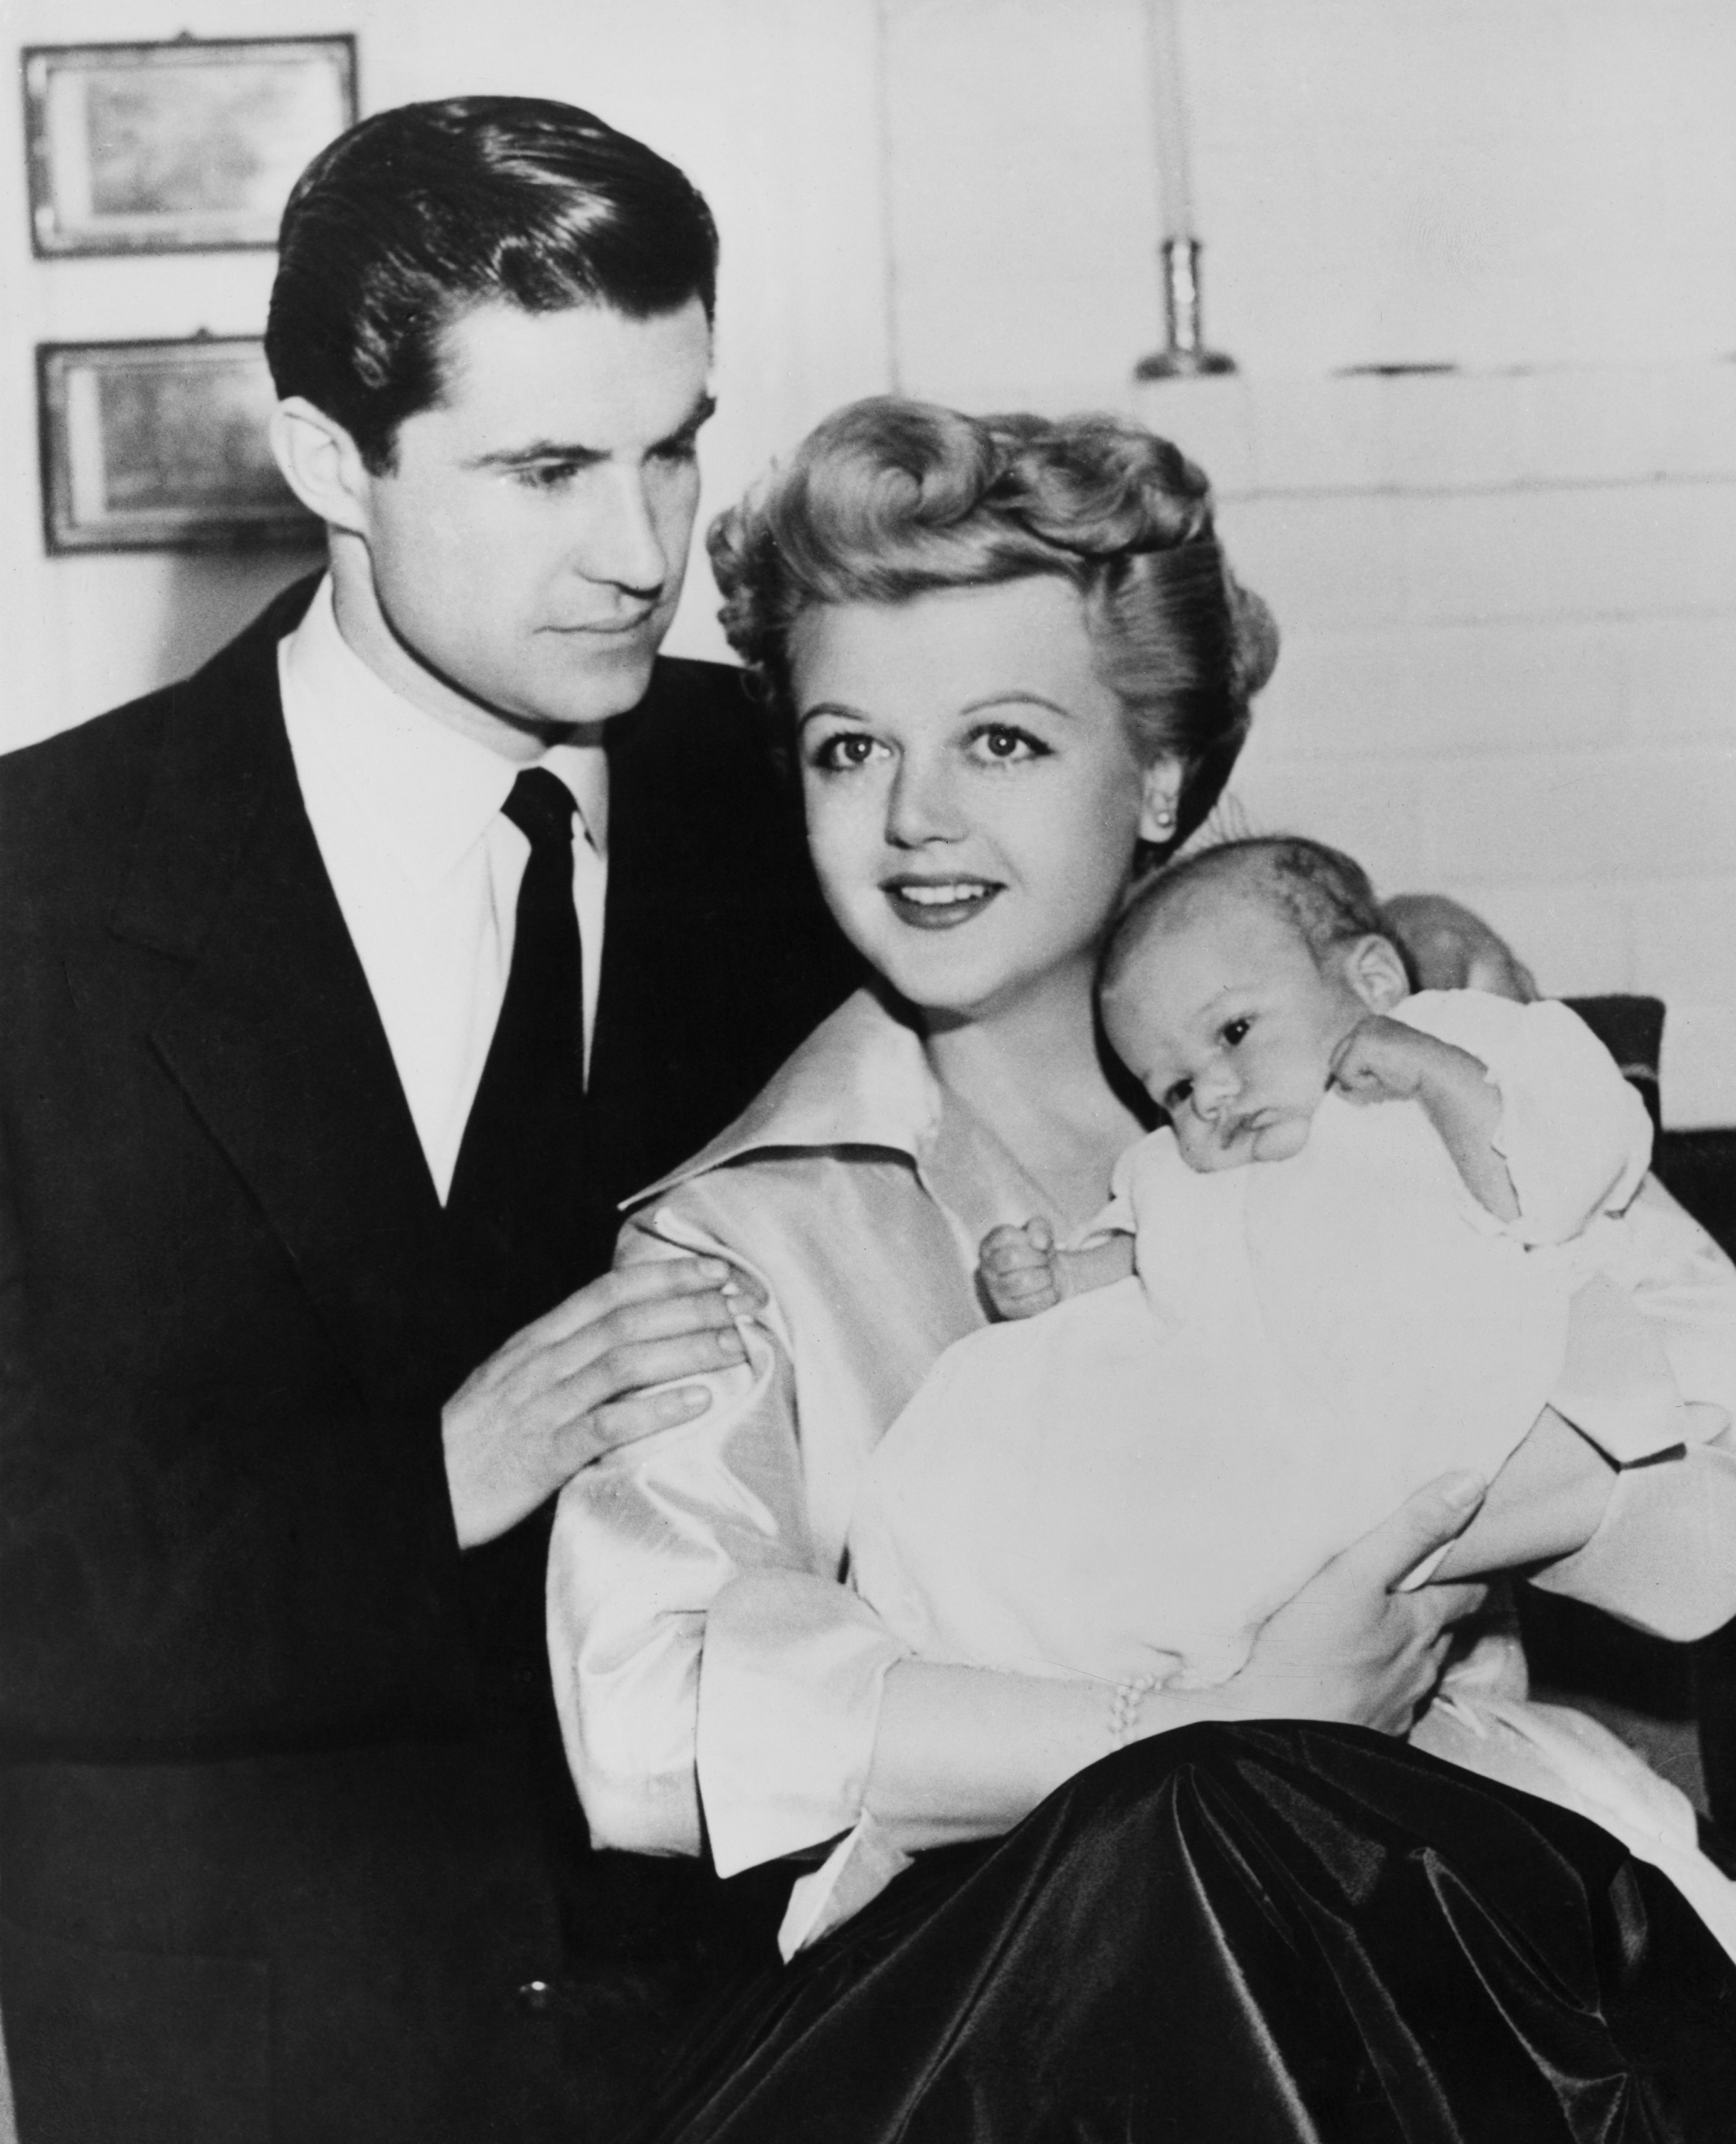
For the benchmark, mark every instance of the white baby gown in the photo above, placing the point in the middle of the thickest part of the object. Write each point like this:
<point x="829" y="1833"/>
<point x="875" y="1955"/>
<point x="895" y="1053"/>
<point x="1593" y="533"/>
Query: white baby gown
<point x="1128" y="1485"/>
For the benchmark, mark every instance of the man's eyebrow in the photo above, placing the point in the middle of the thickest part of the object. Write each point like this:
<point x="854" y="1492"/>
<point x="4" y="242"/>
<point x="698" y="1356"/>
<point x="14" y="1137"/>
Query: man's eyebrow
<point x="568" y="450"/>
<point x="703" y="411"/>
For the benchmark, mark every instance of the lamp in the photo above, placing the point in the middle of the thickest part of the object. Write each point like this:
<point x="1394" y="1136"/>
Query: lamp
<point x="1186" y="356"/>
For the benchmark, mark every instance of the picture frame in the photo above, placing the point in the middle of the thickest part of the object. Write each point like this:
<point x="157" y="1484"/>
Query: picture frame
<point x="162" y="445"/>
<point x="191" y="145"/>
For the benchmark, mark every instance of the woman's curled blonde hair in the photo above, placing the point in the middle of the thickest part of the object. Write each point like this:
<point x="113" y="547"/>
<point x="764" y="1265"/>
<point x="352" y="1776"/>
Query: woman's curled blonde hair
<point x="887" y="498"/>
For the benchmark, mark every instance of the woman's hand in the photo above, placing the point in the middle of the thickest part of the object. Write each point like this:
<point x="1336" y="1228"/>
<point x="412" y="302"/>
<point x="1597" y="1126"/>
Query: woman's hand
<point x="1347" y="1646"/>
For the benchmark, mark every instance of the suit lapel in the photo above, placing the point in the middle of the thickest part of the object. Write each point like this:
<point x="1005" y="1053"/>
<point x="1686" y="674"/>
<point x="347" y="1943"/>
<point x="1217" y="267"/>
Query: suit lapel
<point x="621" y="1058"/>
<point x="653" y="939"/>
<point x="273" y="1037"/>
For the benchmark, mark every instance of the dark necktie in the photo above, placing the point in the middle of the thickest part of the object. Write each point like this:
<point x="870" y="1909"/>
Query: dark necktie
<point x="516" y="1178"/>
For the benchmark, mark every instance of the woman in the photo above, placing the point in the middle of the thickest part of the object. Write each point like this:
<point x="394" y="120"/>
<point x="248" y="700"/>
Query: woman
<point x="1014" y="662"/>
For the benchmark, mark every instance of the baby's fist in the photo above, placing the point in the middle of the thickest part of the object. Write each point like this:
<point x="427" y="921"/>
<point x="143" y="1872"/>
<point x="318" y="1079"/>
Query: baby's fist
<point x="1017" y="1267"/>
<point x="1380" y="1060"/>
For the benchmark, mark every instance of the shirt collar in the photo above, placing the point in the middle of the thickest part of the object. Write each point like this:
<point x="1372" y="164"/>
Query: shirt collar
<point x="860" y="1080"/>
<point x="430" y="791"/>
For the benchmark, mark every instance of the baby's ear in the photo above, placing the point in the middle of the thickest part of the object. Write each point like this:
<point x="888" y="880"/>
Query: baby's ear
<point x="1374" y="970"/>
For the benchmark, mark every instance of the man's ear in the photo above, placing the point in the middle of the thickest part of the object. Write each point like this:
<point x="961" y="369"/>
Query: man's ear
<point x="321" y="464"/>
<point x="1159" y="792"/>
<point x="1376" y="974"/>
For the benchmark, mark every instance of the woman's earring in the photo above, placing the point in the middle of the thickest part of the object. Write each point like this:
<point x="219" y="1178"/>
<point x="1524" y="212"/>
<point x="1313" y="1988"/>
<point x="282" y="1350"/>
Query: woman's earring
<point x="1164" y="821"/>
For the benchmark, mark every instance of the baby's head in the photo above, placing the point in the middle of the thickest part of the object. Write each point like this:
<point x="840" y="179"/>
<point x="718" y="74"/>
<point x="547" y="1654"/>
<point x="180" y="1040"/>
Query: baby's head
<point x="1230" y="982"/>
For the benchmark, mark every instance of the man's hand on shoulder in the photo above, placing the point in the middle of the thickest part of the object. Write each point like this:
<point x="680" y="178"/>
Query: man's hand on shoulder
<point x="578" y="1382"/>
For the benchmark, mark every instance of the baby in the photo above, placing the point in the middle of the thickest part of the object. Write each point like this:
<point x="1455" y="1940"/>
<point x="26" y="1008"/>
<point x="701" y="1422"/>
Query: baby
<point x="1381" y="1231"/>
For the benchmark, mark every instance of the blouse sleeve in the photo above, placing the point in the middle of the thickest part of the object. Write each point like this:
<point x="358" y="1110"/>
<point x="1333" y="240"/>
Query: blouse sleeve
<point x="700" y="1651"/>
<point x="1662" y="1558"/>
<point x="1574" y="1133"/>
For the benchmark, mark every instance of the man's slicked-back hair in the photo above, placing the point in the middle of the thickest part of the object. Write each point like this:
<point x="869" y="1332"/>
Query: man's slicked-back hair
<point x="1323" y="895"/>
<point x="421" y="213"/>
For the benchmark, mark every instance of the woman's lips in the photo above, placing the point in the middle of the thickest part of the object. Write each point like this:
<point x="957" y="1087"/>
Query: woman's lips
<point x="938" y="904"/>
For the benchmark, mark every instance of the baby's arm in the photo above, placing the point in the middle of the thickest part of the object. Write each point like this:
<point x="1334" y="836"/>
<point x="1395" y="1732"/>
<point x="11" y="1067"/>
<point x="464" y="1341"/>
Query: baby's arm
<point x="1024" y="1271"/>
<point x="1383" y="1060"/>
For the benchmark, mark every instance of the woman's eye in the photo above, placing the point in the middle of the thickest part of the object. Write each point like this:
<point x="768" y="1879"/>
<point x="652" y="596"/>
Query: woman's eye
<point x="1002" y="747"/>
<point x="1235" y="1030"/>
<point x="843" y="750"/>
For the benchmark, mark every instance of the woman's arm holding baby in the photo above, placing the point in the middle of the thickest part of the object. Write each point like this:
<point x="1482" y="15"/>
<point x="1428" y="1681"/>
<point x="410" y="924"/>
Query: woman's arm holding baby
<point x="964" y="1752"/>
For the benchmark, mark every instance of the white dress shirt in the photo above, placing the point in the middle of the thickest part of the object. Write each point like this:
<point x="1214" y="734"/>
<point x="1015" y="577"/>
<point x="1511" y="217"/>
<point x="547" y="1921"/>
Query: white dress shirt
<point x="407" y="815"/>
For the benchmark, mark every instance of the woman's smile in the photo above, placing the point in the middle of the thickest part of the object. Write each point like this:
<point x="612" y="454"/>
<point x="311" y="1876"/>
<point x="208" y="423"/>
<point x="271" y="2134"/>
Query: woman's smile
<point x="938" y="904"/>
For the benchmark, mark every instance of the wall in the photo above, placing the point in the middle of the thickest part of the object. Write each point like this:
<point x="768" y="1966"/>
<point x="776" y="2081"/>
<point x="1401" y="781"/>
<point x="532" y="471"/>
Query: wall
<point x="1508" y="590"/>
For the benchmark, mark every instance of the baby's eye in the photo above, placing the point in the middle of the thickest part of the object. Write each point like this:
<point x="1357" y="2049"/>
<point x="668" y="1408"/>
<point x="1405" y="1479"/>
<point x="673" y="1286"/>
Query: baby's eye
<point x="1235" y="1030"/>
<point x="843" y="750"/>
<point x="1174" y="1097"/>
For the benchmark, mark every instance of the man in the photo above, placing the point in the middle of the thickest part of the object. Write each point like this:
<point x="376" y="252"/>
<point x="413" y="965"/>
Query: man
<point x="344" y="988"/>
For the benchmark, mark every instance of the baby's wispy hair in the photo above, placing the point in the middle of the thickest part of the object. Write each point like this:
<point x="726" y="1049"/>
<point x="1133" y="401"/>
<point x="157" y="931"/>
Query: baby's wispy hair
<point x="1325" y="895"/>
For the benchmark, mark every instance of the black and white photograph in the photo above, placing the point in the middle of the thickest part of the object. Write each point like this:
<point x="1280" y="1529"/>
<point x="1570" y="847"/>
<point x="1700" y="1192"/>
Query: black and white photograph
<point x="179" y="146"/>
<point x="151" y="445"/>
<point x="867" y="1072"/>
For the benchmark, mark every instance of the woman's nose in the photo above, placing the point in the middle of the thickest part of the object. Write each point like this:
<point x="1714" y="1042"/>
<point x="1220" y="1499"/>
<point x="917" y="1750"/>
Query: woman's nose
<point x="921" y="806"/>
<point x="620" y="541"/>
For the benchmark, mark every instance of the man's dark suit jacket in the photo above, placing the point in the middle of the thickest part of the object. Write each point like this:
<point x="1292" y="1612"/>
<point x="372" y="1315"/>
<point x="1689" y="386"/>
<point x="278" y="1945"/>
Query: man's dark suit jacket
<point x="285" y="1848"/>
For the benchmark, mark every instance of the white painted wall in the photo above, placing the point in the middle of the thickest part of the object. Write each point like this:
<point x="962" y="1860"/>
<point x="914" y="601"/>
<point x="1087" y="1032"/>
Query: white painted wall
<point x="1507" y="593"/>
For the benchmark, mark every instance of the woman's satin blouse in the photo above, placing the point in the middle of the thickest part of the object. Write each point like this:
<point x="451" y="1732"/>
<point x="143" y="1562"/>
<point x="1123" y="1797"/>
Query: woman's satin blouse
<point x="702" y="1644"/>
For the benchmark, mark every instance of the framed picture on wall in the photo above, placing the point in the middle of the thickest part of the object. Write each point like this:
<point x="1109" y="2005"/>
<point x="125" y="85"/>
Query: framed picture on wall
<point x="162" y="445"/>
<point x="175" y="147"/>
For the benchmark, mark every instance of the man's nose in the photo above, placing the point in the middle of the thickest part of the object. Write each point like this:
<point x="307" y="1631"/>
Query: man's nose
<point x="621" y="542"/>
<point x="921" y="807"/>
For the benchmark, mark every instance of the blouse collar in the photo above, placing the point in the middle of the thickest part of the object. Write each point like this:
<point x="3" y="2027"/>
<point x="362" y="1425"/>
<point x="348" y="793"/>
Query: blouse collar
<point x="860" y="1080"/>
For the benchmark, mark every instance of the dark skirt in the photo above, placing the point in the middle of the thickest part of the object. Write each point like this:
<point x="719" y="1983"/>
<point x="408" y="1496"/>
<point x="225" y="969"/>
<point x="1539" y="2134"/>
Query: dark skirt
<point x="1271" y="1933"/>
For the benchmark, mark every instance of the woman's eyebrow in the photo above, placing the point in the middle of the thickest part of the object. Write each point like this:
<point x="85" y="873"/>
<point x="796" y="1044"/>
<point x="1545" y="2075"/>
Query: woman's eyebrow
<point x="1014" y="697"/>
<point x="1017" y="696"/>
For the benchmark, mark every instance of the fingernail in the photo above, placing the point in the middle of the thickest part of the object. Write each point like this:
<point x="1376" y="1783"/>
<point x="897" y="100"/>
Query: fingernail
<point x="715" y="1269"/>
<point x="732" y="1287"/>
<point x="695" y="1398"/>
<point x="729" y="1344"/>
<point x="1459" y="1489"/>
